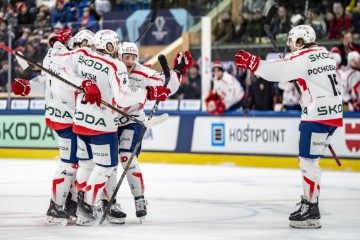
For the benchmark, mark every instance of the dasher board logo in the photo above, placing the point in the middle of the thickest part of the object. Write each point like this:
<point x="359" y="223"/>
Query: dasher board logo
<point x="352" y="137"/>
<point x="218" y="134"/>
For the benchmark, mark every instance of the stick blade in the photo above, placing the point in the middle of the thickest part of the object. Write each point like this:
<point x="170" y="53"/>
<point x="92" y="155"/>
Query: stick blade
<point x="156" y="120"/>
<point x="164" y="65"/>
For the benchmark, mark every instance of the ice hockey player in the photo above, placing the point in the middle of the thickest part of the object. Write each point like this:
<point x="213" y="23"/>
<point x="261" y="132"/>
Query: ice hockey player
<point x="129" y="132"/>
<point x="226" y="92"/>
<point x="315" y="70"/>
<point x="59" y="113"/>
<point x="85" y="38"/>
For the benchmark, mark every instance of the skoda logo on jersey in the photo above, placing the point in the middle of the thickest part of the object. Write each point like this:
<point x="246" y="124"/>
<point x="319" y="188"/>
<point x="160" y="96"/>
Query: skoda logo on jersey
<point x="218" y="134"/>
<point x="352" y="137"/>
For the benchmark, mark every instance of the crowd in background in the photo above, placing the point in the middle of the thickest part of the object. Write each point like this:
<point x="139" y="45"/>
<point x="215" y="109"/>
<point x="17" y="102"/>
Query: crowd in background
<point x="30" y="22"/>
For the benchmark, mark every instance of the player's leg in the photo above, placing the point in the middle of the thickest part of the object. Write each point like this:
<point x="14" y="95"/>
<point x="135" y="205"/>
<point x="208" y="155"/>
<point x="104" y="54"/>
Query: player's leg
<point x="63" y="176"/>
<point x="313" y="142"/>
<point x="116" y="214"/>
<point x="128" y="137"/>
<point x="104" y="151"/>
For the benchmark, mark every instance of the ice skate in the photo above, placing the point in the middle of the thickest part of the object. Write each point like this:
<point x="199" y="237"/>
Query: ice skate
<point x="71" y="208"/>
<point x="86" y="214"/>
<point x="57" y="215"/>
<point x="306" y="215"/>
<point x="140" y="205"/>
<point x="116" y="214"/>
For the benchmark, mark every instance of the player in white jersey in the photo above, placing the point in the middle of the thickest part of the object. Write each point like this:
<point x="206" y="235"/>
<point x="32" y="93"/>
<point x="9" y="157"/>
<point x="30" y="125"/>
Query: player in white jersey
<point x="351" y="83"/>
<point x="129" y="132"/>
<point x="226" y="92"/>
<point x="315" y="71"/>
<point x="59" y="113"/>
<point x="291" y="97"/>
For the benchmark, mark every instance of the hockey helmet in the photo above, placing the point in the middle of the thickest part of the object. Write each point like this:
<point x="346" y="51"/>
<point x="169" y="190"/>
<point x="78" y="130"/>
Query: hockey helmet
<point x="61" y="36"/>
<point x="85" y="35"/>
<point x="129" y="48"/>
<point x="104" y="37"/>
<point x="219" y="65"/>
<point x="305" y="32"/>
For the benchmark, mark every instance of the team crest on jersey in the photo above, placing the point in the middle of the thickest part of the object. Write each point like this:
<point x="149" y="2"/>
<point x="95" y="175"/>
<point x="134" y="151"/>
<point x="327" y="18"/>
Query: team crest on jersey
<point x="352" y="137"/>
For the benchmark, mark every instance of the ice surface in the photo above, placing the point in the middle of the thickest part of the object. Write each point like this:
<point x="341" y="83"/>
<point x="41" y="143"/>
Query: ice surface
<point x="186" y="202"/>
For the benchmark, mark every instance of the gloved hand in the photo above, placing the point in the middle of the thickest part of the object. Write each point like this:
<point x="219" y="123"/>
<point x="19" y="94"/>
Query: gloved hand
<point x="214" y="104"/>
<point x="158" y="93"/>
<point x="182" y="63"/>
<point x="244" y="59"/>
<point x="21" y="87"/>
<point x="92" y="92"/>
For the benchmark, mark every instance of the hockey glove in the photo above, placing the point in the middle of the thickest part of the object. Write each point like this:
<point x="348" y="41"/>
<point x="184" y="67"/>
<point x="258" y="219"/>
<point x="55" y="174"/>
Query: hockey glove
<point x="92" y="92"/>
<point x="214" y="104"/>
<point x="21" y="87"/>
<point x="246" y="60"/>
<point x="182" y="63"/>
<point x="157" y="93"/>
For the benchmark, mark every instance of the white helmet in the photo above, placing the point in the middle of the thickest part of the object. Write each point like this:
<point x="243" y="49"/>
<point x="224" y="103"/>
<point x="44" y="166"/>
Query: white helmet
<point x="103" y="37"/>
<point x="85" y="35"/>
<point x="129" y="48"/>
<point x="71" y="43"/>
<point x="305" y="32"/>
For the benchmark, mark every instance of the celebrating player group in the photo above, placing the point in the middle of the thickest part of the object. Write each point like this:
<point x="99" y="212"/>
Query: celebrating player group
<point x="92" y="136"/>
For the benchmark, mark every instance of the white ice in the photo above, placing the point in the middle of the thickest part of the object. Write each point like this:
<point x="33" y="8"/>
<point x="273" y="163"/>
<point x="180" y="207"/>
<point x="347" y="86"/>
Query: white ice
<point x="187" y="202"/>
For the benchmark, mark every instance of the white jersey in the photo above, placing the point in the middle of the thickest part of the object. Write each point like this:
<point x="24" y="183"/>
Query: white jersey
<point x="350" y="79"/>
<point x="291" y="96"/>
<point x="315" y="71"/>
<point x="229" y="89"/>
<point x="111" y="78"/>
<point x="59" y="96"/>
<point x="141" y="77"/>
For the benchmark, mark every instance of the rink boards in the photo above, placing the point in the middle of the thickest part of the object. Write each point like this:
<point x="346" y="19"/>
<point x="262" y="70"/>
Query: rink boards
<point x="258" y="139"/>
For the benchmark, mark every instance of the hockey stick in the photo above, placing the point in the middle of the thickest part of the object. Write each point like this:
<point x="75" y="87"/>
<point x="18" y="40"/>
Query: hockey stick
<point x="147" y="123"/>
<point x="165" y="67"/>
<point x="269" y="17"/>
<point x="154" y="9"/>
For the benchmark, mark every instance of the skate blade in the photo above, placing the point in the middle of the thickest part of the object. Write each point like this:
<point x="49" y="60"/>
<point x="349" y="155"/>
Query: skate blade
<point x="85" y="221"/>
<point x="142" y="219"/>
<point x="57" y="221"/>
<point x="116" y="220"/>
<point x="310" y="223"/>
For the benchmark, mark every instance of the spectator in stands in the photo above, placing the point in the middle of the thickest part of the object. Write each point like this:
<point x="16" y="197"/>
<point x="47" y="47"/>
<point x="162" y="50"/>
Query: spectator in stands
<point x="4" y="71"/>
<point x="87" y="21"/>
<point x="224" y="29"/>
<point x="83" y="4"/>
<point x="250" y="6"/>
<point x="261" y="94"/>
<point x="341" y="23"/>
<point x="190" y="87"/>
<point x="3" y="30"/>
<point x="356" y="20"/>
<point x="255" y="27"/>
<point x="316" y="22"/>
<point x="60" y="14"/>
<point x="281" y="25"/>
<point x="240" y="29"/>
<point x="24" y="17"/>
<point x="347" y="46"/>
<point x="72" y="6"/>
<point x="11" y="18"/>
